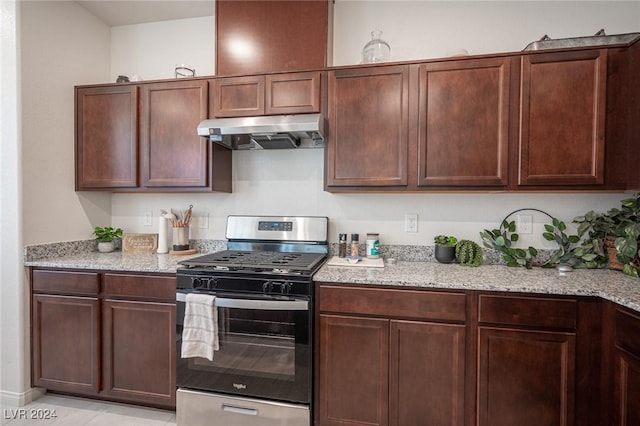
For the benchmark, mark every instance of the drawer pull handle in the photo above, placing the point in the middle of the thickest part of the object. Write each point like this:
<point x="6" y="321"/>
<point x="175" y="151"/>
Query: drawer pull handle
<point x="240" y="410"/>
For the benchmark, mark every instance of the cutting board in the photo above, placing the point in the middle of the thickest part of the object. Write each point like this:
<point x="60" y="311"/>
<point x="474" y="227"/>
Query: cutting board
<point x="364" y="263"/>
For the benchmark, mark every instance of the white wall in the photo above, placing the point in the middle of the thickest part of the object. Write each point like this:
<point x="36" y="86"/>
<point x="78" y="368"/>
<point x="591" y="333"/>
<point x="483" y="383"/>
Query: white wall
<point x="433" y="29"/>
<point x="62" y="45"/>
<point x="152" y="51"/>
<point x="13" y="365"/>
<point x="47" y="48"/>
<point x="291" y="182"/>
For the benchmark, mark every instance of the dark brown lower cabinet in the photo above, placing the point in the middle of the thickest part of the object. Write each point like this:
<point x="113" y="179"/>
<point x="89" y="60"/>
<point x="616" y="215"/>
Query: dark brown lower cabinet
<point x="105" y="335"/>
<point x="526" y="360"/>
<point x="66" y="343"/>
<point x="525" y="377"/>
<point x="388" y="372"/>
<point x="427" y="374"/>
<point x="376" y="368"/>
<point x="138" y="345"/>
<point x="626" y="368"/>
<point x="627" y="389"/>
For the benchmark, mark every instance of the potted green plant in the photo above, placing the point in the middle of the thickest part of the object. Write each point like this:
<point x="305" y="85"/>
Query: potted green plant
<point x="617" y="232"/>
<point x="445" y="248"/>
<point x="105" y="237"/>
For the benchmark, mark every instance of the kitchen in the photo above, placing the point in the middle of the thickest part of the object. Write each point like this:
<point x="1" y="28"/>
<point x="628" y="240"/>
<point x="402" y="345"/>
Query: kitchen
<point x="88" y="51"/>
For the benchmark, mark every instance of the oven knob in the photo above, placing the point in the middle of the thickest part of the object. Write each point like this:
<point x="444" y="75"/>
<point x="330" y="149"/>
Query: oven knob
<point x="267" y="287"/>
<point x="196" y="282"/>
<point x="212" y="283"/>
<point x="285" y="288"/>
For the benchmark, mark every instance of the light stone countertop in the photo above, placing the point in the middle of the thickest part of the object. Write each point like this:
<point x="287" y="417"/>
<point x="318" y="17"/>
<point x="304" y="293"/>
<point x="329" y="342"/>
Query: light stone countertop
<point x="607" y="284"/>
<point x="604" y="283"/>
<point x="114" y="261"/>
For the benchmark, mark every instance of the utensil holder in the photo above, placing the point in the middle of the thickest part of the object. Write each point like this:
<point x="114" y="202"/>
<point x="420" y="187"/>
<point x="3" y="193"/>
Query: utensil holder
<point x="180" y="238"/>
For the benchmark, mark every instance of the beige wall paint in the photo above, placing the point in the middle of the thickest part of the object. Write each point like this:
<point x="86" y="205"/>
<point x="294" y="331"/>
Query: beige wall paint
<point x="62" y="45"/>
<point x="152" y="51"/>
<point x="47" y="48"/>
<point x="433" y="29"/>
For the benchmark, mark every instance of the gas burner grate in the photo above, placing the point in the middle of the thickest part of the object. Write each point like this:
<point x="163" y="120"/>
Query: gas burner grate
<point x="257" y="260"/>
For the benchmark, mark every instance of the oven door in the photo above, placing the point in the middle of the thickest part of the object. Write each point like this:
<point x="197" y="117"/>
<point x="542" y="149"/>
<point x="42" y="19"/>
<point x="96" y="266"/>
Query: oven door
<point x="264" y="348"/>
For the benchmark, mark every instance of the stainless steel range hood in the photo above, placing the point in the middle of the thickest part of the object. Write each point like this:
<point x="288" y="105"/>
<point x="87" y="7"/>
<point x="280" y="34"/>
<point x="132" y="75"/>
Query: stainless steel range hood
<point x="266" y="132"/>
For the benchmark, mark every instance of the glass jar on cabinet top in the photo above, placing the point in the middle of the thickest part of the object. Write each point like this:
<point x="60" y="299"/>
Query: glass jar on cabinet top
<point x="376" y="50"/>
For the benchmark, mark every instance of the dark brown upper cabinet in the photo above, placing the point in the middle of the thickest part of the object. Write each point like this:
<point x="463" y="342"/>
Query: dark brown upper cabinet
<point x="270" y="36"/>
<point x="463" y="113"/>
<point x="172" y="152"/>
<point x="143" y="138"/>
<point x="289" y="93"/>
<point x="106" y="137"/>
<point x="562" y="118"/>
<point x="368" y="137"/>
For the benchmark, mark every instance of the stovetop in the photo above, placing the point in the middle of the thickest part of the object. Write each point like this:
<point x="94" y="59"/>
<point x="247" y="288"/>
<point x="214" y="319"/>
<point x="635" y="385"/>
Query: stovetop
<point x="256" y="261"/>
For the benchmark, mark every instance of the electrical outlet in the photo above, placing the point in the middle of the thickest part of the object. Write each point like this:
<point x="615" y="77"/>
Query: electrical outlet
<point x="411" y="222"/>
<point x="203" y="221"/>
<point x="525" y="224"/>
<point x="148" y="218"/>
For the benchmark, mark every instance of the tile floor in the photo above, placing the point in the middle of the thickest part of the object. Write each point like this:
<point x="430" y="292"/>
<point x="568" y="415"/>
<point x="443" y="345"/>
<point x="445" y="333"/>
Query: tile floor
<point x="72" y="411"/>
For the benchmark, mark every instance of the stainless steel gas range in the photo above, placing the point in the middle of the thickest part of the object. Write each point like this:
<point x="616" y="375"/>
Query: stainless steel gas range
<point x="261" y="290"/>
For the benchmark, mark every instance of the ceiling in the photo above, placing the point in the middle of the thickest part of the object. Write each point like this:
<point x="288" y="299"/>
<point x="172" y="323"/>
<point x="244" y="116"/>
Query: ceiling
<point x="129" y="12"/>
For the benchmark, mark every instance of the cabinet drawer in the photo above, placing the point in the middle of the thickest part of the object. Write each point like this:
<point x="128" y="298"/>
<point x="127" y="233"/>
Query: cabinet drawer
<point x="292" y="93"/>
<point x="628" y="331"/>
<point x="393" y="303"/>
<point x="238" y="96"/>
<point x="528" y="311"/>
<point x="140" y="286"/>
<point x="64" y="282"/>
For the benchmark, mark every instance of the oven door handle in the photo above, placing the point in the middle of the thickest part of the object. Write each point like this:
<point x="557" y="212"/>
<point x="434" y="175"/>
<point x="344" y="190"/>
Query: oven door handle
<point x="273" y="305"/>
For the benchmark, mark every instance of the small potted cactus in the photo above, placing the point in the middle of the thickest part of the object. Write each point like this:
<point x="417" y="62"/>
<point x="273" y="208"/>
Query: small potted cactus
<point x="445" y="248"/>
<point x="468" y="253"/>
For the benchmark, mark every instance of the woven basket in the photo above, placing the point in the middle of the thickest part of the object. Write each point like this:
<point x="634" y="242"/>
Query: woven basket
<point x="612" y="254"/>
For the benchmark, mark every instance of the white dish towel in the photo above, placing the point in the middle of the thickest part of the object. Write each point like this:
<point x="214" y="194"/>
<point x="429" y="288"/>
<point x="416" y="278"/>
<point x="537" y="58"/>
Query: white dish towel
<point x="200" y="328"/>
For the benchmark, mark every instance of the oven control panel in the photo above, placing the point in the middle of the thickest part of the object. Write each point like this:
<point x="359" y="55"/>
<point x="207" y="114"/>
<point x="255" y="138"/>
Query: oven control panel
<point x="275" y="226"/>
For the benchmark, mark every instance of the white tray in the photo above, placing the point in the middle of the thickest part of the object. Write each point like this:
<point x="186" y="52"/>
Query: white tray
<point x="364" y="263"/>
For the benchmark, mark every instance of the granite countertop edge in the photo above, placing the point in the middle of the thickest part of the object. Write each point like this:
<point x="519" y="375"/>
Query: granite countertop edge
<point x="606" y="284"/>
<point x="610" y="285"/>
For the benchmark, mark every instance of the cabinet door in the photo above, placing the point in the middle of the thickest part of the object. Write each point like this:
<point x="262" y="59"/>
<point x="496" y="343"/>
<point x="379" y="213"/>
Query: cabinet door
<point x="238" y="96"/>
<point x="464" y="123"/>
<point x="626" y="408"/>
<point x="525" y="378"/>
<point x="66" y="343"/>
<point x="427" y="374"/>
<point x="626" y="373"/>
<point x="353" y="364"/>
<point x="293" y="93"/>
<point x="139" y="351"/>
<point x="368" y="138"/>
<point x="173" y="155"/>
<point x="106" y="137"/>
<point x="562" y="118"/>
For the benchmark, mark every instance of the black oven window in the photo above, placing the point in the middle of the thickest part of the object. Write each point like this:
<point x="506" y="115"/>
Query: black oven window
<point x="254" y="343"/>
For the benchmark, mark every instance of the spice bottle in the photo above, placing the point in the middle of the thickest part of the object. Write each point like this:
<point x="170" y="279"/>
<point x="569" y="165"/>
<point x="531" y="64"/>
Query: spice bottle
<point x="355" y="244"/>
<point x="373" y="245"/>
<point x="342" y="245"/>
